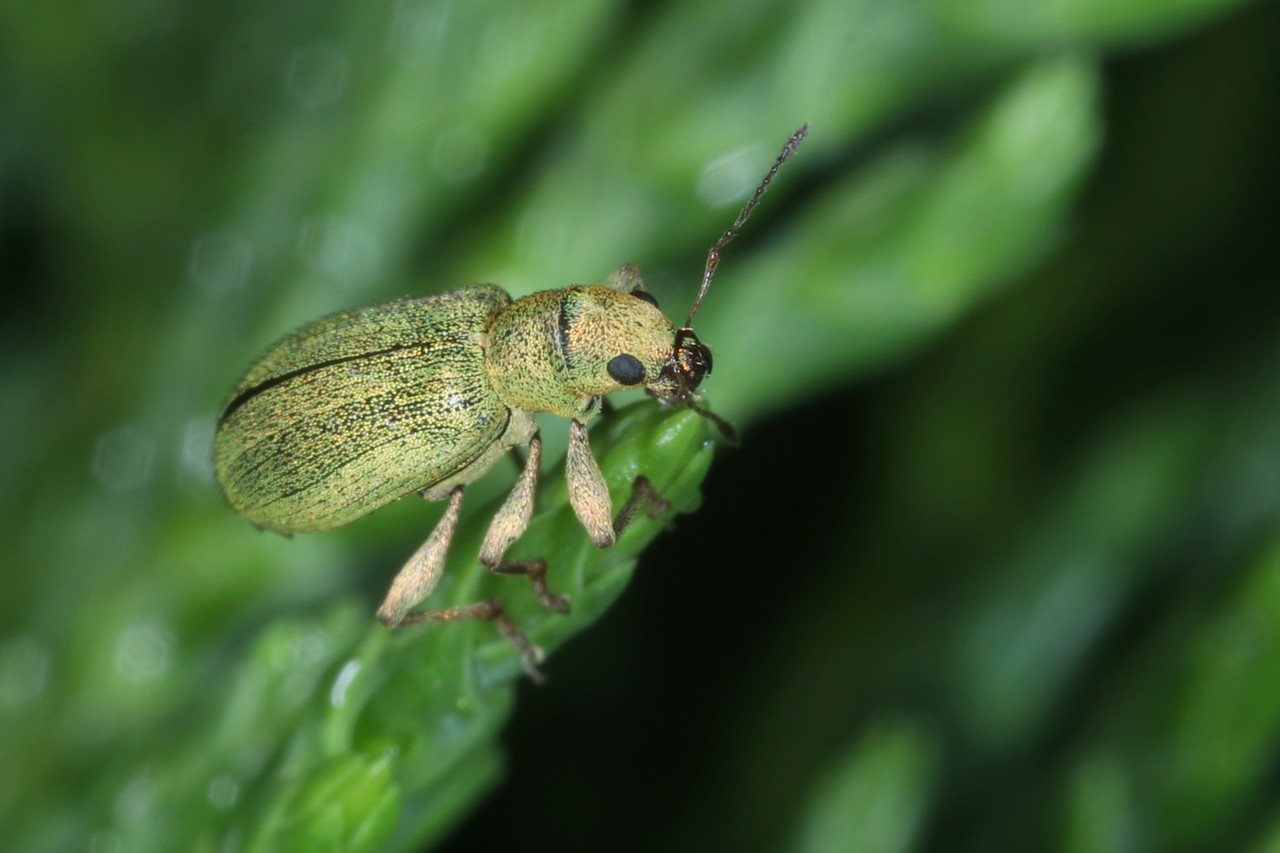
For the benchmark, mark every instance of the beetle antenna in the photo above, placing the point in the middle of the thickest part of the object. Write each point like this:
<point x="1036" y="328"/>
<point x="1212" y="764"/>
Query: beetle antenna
<point x="687" y="399"/>
<point x="713" y="257"/>
<point x="726" y="429"/>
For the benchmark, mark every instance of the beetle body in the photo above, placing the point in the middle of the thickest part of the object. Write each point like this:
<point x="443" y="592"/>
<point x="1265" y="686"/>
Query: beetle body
<point x="421" y="395"/>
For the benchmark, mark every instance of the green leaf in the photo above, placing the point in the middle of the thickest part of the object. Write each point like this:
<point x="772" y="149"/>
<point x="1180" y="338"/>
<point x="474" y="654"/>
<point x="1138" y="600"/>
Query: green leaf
<point x="874" y="797"/>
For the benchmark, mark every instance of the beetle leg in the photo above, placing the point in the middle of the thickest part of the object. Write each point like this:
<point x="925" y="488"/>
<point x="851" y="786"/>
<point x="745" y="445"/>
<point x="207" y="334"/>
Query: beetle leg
<point x="588" y="492"/>
<point x="510" y="523"/>
<point x="625" y="278"/>
<point x="643" y="495"/>
<point x="530" y="655"/>
<point x="422" y="572"/>
<point x="512" y="519"/>
<point x="419" y="576"/>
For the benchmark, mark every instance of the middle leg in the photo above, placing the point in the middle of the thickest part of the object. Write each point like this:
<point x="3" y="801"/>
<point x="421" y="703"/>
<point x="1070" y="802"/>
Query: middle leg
<point x="510" y="523"/>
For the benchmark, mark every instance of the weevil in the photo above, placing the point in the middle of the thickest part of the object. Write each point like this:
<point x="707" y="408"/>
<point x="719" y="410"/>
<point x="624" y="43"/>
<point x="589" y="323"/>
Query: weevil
<point x="424" y="395"/>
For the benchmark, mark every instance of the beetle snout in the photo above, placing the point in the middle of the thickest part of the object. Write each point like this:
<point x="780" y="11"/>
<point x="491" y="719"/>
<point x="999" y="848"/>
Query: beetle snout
<point x="690" y="362"/>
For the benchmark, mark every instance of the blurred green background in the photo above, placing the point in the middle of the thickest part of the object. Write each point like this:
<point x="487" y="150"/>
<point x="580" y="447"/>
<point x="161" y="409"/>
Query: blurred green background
<point x="996" y="566"/>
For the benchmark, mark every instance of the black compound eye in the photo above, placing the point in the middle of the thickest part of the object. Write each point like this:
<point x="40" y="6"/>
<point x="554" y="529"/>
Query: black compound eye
<point x="626" y="369"/>
<point x="646" y="296"/>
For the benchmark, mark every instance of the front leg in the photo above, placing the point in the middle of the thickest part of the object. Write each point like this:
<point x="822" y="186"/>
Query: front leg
<point x="589" y="494"/>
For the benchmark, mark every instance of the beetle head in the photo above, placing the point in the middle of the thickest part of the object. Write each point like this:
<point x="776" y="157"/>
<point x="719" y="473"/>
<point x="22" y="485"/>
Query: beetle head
<point x="690" y="361"/>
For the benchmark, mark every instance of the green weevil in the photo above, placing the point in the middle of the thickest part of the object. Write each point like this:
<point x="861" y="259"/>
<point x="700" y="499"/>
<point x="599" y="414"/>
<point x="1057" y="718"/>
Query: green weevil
<point x="424" y="395"/>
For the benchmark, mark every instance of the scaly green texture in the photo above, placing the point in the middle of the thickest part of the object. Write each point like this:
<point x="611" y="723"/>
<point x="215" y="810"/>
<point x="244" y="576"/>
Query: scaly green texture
<point x="359" y="408"/>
